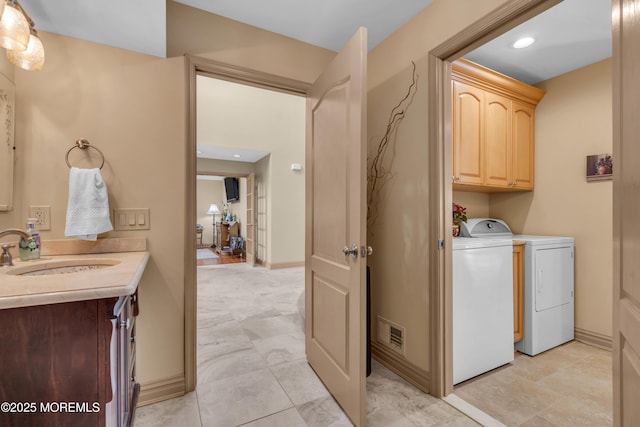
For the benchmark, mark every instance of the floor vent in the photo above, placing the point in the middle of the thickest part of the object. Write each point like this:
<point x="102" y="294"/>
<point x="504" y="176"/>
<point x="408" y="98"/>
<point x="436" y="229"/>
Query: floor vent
<point x="391" y="334"/>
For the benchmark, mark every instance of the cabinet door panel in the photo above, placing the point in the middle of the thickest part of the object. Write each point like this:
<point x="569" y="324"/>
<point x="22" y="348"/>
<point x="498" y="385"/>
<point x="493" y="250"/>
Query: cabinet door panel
<point x="468" y="131"/>
<point x="523" y="141"/>
<point x="49" y="355"/>
<point x="518" y="293"/>
<point x="497" y="140"/>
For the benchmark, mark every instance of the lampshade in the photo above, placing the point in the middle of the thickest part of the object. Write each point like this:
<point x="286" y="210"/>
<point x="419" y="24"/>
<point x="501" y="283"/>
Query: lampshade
<point x="32" y="58"/>
<point x="213" y="209"/>
<point x="14" y="28"/>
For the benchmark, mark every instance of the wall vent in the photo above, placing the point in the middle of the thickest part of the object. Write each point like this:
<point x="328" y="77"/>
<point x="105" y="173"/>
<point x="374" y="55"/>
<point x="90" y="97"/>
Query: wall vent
<point x="391" y="334"/>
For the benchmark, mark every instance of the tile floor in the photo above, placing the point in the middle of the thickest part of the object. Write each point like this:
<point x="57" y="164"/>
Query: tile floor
<point x="252" y="371"/>
<point x="567" y="386"/>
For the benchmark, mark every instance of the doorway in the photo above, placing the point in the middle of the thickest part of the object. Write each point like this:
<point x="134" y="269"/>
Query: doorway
<point x="203" y="68"/>
<point x="440" y="71"/>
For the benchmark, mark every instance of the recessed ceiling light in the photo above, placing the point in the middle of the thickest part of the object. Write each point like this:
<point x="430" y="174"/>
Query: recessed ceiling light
<point x="523" y="42"/>
<point x="236" y="156"/>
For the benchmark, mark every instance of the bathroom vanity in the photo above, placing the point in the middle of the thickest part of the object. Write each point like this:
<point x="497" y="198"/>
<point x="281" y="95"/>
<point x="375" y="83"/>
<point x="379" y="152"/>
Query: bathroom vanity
<point x="68" y="340"/>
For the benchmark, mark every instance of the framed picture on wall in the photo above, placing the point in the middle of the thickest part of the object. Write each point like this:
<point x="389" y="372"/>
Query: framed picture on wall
<point x="599" y="167"/>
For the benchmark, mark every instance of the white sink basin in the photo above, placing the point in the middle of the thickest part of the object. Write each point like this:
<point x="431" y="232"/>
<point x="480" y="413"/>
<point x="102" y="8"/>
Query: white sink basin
<point x="66" y="266"/>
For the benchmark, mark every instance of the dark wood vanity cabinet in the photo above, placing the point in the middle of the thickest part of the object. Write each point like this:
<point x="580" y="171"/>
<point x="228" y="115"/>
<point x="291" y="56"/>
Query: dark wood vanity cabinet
<point x="69" y="364"/>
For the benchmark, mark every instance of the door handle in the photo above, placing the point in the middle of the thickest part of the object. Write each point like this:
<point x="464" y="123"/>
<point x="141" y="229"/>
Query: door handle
<point x="365" y="250"/>
<point x="353" y="251"/>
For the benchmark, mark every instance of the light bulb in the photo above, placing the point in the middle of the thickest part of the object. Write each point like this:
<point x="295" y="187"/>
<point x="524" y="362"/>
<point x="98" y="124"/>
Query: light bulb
<point x="32" y="58"/>
<point x="14" y="29"/>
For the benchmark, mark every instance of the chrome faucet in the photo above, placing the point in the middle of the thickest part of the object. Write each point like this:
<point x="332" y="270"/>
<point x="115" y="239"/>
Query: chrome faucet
<point x="5" y="257"/>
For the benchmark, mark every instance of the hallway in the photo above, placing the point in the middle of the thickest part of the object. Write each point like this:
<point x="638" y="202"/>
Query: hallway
<point x="252" y="369"/>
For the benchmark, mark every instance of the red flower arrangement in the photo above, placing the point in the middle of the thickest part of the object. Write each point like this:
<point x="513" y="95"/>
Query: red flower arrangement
<point x="459" y="213"/>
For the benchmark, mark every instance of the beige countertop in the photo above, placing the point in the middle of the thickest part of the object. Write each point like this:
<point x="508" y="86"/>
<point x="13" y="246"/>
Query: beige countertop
<point x="119" y="279"/>
<point x="519" y="242"/>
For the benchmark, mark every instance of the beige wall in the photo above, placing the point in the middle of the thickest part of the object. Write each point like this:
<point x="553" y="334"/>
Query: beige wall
<point x="224" y="167"/>
<point x="207" y="192"/>
<point x="400" y="267"/>
<point x="477" y="204"/>
<point x="191" y="31"/>
<point x="573" y="120"/>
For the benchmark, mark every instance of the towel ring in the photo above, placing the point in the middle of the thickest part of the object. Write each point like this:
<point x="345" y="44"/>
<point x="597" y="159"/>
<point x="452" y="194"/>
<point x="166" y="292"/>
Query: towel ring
<point x="83" y="144"/>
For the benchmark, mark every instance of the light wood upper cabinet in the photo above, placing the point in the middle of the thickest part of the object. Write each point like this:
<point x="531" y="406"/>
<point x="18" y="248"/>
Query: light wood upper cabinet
<point x="493" y="130"/>
<point x="468" y="138"/>
<point x="523" y="142"/>
<point x="497" y="143"/>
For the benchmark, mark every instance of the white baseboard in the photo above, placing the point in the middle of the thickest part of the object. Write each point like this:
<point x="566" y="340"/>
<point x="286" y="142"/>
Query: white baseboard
<point x="158" y="391"/>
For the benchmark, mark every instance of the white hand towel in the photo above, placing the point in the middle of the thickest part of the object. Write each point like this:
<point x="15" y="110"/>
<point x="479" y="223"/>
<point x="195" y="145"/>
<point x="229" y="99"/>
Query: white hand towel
<point x="88" y="206"/>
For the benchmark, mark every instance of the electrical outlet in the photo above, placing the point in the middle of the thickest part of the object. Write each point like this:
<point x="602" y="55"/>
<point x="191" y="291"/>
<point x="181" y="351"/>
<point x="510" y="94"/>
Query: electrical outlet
<point x="42" y="214"/>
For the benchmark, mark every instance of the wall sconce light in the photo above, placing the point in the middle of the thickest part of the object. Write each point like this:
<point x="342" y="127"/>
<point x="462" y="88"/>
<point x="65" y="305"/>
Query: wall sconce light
<point x="19" y="36"/>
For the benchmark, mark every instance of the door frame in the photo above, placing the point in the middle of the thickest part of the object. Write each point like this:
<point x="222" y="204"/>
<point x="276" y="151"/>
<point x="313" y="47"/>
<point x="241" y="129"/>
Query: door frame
<point x="504" y="18"/>
<point x="202" y="66"/>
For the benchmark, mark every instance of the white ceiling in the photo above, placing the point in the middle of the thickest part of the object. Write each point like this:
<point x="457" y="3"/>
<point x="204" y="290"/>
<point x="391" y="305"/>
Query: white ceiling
<point x="210" y="151"/>
<point x="571" y="35"/>
<point x="327" y="23"/>
<point x="139" y="25"/>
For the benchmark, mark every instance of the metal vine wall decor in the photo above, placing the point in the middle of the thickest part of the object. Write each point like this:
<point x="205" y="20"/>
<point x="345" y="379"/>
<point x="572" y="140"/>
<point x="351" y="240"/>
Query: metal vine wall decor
<point x="378" y="175"/>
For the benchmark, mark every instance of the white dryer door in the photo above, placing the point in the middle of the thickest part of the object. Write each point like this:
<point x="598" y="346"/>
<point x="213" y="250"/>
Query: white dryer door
<point x="553" y="277"/>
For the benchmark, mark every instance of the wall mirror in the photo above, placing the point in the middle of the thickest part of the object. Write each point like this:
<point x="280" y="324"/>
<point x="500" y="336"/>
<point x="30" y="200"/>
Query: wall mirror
<point x="7" y="114"/>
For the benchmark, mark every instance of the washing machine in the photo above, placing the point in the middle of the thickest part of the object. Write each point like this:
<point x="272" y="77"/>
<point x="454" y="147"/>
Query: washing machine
<point x="548" y="284"/>
<point x="482" y="306"/>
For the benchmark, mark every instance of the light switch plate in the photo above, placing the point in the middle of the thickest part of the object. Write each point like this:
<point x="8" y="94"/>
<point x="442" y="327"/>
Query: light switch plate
<point x="130" y="219"/>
